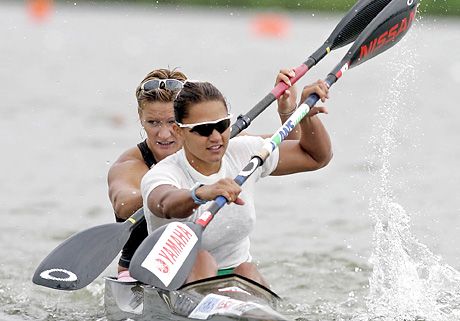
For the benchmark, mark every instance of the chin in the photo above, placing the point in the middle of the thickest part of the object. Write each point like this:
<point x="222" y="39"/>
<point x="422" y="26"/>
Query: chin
<point x="215" y="158"/>
<point x="165" y="151"/>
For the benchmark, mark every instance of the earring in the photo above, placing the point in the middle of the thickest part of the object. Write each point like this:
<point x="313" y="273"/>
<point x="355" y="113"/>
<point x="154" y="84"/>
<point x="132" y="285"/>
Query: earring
<point x="142" y="133"/>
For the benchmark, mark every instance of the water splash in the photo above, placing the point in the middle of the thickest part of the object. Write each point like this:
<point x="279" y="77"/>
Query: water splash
<point x="408" y="281"/>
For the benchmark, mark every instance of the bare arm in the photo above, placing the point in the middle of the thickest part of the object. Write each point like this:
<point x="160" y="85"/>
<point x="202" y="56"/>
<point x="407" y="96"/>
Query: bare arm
<point x="124" y="179"/>
<point x="313" y="150"/>
<point x="167" y="201"/>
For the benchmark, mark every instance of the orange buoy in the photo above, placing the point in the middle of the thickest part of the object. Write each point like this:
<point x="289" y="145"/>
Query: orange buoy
<point x="270" y="25"/>
<point x="39" y="9"/>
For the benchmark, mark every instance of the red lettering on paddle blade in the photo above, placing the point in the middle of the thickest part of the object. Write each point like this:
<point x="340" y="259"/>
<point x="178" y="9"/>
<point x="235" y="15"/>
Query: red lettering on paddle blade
<point x="392" y="34"/>
<point x="164" y="255"/>
<point x="364" y="51"/>
<point x="178" y="242"/>
<point x="382" y="39"/>
<point x="185" y="232"/>
<point x="162" y="266"/>
<point x="403" y="26"/>
<point x="171" y="255"/>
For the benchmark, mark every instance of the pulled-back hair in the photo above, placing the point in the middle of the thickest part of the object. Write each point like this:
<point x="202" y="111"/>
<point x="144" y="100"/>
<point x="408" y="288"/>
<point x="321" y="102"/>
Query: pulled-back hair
<point x="158" y="95"/>
<point x="194" y="93"/>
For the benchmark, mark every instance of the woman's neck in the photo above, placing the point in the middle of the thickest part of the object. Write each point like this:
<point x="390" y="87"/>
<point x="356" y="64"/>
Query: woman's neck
<point x="204" y="168"/>
<point x="157" y="157"/>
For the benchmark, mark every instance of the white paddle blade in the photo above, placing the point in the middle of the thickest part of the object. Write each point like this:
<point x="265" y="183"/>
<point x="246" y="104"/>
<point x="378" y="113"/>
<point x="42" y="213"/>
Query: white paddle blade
<point x="166" y="257"/>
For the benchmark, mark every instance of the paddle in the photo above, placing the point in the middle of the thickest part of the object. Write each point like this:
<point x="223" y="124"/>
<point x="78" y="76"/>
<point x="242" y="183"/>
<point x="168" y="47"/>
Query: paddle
<point x="166" y="257"/>
<point x="82" y="257"/>
<point x="72" y="265"/>
<point x="346" y="31"/>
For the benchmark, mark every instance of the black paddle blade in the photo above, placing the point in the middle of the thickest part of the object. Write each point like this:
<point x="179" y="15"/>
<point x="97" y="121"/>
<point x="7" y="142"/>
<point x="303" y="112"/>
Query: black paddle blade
<point x="357" y="18"/>
<point x="81" y="258"/>
<point x="387" y="29"/>
<point x="166" y="257"/>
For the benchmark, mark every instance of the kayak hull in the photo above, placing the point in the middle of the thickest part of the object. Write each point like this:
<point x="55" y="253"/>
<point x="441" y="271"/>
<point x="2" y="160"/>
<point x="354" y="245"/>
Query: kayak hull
<point x="223" y="298"/>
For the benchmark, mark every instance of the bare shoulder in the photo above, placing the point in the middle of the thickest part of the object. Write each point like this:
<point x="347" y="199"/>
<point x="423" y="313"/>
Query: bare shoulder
<point x="132" y="154"/>
<point x="131" y="159"/>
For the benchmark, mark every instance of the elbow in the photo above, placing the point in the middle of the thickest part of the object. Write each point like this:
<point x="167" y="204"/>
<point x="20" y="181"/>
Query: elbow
<point x="119" y="210"/>
<point x="321" y="161"/>
<point x="162" y="205"/>
<point x="125" y="202"/>
<point x="324" y="161"/>
<point x="122" y="208"/>
<point x="157" y="207"/>
<point x="167" y="203"/>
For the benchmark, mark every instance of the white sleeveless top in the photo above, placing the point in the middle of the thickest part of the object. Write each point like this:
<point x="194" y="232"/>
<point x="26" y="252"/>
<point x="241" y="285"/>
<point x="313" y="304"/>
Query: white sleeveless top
<point x="227" y="236"/>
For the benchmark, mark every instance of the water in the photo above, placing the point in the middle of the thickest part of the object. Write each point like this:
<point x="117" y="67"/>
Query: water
<point x="373" y="236"/>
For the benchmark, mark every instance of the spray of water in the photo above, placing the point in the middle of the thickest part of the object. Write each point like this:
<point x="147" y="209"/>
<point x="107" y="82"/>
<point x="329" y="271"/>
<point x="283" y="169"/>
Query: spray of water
<point x="408" y="281"/>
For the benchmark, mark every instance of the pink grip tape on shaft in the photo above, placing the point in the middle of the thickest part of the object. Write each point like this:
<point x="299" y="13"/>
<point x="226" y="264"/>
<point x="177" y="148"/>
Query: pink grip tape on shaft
<point x="281" y="87"/>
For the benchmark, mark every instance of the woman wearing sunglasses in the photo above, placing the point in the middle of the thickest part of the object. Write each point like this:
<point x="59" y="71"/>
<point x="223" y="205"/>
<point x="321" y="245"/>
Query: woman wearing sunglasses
<point x="204" y="169"/>
<point x="155" y="96"/>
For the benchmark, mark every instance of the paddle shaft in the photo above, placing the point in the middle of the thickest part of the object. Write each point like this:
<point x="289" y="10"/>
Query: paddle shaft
<point x="346" y="31"/>
<point x="135" y="219"/>
<point x="243" y="121"/>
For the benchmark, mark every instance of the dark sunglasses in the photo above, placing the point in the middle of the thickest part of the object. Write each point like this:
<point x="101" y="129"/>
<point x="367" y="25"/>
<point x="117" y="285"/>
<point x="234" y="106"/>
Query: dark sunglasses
<point x="206" y="128"/>
<point x="170" y="84"/>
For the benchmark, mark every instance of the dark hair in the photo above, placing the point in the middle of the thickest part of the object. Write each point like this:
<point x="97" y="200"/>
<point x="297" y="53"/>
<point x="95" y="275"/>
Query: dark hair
<point x="194" y="93"/>
<point x="161" y="95"/>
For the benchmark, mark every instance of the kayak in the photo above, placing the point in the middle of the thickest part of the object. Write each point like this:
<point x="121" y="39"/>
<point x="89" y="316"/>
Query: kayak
<point x="222" y="298"/>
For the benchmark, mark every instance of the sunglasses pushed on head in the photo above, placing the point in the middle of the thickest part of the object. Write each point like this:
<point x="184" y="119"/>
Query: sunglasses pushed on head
<point x="169" y="84"/>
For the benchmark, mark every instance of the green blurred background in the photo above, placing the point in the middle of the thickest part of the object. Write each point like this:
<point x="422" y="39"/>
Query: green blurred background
<point x="436" y="7"/>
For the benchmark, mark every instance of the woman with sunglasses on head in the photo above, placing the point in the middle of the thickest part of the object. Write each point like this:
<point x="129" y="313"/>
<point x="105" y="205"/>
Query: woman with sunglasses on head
<point x="155" y="96"/>
<point x="206" y="166"/>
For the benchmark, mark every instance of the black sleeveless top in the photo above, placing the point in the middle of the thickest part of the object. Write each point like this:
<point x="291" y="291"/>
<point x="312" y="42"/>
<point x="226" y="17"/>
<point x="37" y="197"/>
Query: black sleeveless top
<point x="147" y="154"/>
<point x="139" y="233"/>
